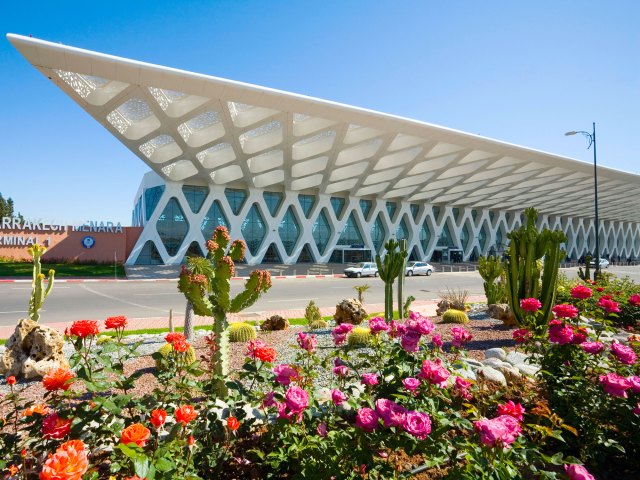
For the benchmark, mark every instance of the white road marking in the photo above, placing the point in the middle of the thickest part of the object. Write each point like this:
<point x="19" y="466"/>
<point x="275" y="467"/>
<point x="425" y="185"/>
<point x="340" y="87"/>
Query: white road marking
<point x="111" y="297"/>
<point x="157" y="294"/>
<point x="292" y="300"/>
<point x="57" y="287"/>
<point x="19" y="311"/>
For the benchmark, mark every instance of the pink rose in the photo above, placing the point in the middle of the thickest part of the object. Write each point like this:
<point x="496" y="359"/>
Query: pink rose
<point x="425" y="326"/>
<point x="559" y="332"/>
<point x="521" y="335"/>
<point x="460" y="337"/>
<point x="623" y="353"/>
<point x="340" y="370"/>
<point x="338" y="397"/>
<point x="269" y="400"/>
<point x="377" y="325"/>
<point x="565" y="311"/>
<point x="322" y="429"/>
<point x="514" y="410"/>
<point x="581" y="292"/>
<point x="592" y="347"/>
<point x="437" y="341"/>
<point x="434" y="372"/>
<point x="530" y="304"/>
<point x="396" y="329"/>
<point x="307" y="342"/>
<point x="634" y="382"/>
<point x="578" y="472"/>
<point x="608" y="305"/>
<point x="417" y="424"/>
<point x="340" y="333"/>
<point x="391" y="413"/>
<point x="615" y="384"/>
<point x="297" y="399"/>
<point x="498" y="432"/>
<point x="285" y="373"/>
<point x="580" y="335"/>
<point x="370" y="379"/>
<point x="411" y="384"/>
<point x="462" y="386"/>
<point x="367" y="419"/>
<point x="634" y="300"/>
<point x="410" y="341"/>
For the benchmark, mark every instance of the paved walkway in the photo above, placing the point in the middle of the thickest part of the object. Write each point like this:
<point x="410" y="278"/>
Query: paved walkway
<point x="425" y="307"/>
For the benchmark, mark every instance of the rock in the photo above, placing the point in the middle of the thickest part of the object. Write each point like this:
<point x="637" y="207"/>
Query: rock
<point x="463" y="372"/>
<point x="33" y="351"/>
<point x="444" y="305"/>
<point x="529" y="370"/>
<point x="494" y="362"/>
<point x="349" y="311"/>
<point x="473" y="364"/>
<point x="498" y="353"/>
<point x="273" y="323"/>
<point x="492" y="375"/>
<point x="502" y="311"/>
<point x="510" y="372"/>
<point x="515" y="358"/>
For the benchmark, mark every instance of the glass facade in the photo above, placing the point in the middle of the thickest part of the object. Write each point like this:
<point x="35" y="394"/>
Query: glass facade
<point x="253" y="229"/>
<point x="305" y="255"/>
<point x="272" y="255"/>
<point x="195" y="196"/>
<point x="465" y="236"/>
<point x="149" y="255"/>
<point x="446" y="240"/>
<point x="212" y="219"/>
<point x="425" y="236"/>
<point x="402" y="232"/>
<point x="338" y="205"/>
<point x="351" y="234"/>
<point x="436" y="212"/>
<point x="151" y="198"/>
<point x="172" y="226"/>
<point x="321" y="232"/>
<point x="391" y="209"/>
<point x="273" y="201"/>
<point x="306" y="202"/>
<point x="235" y="198"/>
<point x="482" y="237"/>
<point x="289" y="231"/>
<point x="194" y="250"/>
<point x="365" y="206"/>
<point x="414" y="210"/>
<point x="378" y="233"/>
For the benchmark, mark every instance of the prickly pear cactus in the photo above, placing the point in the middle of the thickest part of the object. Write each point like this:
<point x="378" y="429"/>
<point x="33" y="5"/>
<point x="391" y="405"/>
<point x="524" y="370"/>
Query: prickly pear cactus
<point x="38" y="291"/>
<point x="206" y="283"/>
<point x="454" y="316"/>
<point x="491" y="269"/>
<point x="359" y="337"/>
<point x="241" y="332"/>
<point x="389" y="269"/>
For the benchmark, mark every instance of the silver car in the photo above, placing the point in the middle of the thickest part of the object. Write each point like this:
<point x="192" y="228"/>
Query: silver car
<point x="418" y="268"/>
<point x="362" y="269"/>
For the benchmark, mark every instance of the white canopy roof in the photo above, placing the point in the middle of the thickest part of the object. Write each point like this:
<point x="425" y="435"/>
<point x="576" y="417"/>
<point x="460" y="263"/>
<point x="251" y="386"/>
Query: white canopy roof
<point x="186" y="126"/>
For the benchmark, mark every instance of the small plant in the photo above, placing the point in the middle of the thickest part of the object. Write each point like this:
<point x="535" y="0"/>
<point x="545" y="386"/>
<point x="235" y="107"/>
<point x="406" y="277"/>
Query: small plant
<point x="188" y="358"/>
<point x="359" y="337"/>
<point x="586" y="273"/>
<point x="318" y="325"/>
<point x="491" y="270"/>
<point x="454" y="316"/>
<point x="407" y="306"/>
<point x="360" y="289"/>
<point x="274" y="323"/>
<point x="456" y="298"/>
<point x="38" y="291"/>
<point x="312" y="313"/>
<point x="241" y="332"/>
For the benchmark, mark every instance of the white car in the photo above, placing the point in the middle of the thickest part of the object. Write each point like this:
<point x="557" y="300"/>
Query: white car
<point x="604" y="263"/>
<point x="362" y="269"/>
<point x="418" y="268"/>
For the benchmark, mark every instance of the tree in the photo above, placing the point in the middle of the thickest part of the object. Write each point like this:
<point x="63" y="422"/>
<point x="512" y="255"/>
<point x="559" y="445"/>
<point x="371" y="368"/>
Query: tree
<point x="7" y="208"/>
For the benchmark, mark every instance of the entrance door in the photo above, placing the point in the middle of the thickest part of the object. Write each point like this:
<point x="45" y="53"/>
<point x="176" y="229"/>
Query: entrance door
<point x="355" y="256"/>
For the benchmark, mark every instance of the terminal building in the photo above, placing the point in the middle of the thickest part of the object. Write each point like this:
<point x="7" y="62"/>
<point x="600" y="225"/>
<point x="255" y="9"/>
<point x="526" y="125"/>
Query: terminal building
<point x="308" y="180"/>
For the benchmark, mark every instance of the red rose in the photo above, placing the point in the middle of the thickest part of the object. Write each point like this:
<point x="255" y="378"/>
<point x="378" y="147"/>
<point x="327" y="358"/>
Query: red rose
<point x="136" y="433"/>
<point x="634" y="299"/>
<point x="55" y="427"/>
<point x="265" y="354"/>
<point x="180" y="346"/>
<point x="84" y="328"/>
<point x="115" y="322"/>
<point x="233" y="424"/>
<point x="185" y="414"/>
<point x="11" y="380"/>
<point x="58" y="379"/>
<point x="158" y="417"/>
<point x="173" y="336"/>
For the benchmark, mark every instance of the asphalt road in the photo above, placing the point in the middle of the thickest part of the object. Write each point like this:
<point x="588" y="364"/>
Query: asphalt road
<point x="136" y="299"/>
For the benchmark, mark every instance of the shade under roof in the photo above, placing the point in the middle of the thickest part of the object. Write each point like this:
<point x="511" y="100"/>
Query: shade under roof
<point x="188" y="126"/>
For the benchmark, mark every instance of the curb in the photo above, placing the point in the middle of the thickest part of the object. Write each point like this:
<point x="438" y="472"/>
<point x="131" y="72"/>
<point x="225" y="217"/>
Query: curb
<point x="112" y="280"/>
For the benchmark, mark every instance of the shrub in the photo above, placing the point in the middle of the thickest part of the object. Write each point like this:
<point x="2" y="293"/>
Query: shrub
<point x="241" y="332"/>
<point x="318" y="325"/>
<point x="454" y="316"/>
<point x="312" y="313"/>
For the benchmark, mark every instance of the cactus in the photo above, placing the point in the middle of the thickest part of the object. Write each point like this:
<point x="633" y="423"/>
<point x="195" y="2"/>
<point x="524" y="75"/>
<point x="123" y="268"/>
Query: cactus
<point x="586" y="274"/>
<point x="491" y="270"/>
<point x="318" y="325"/>
<point x="187" y="359"/>
<point x="241" y="332"/>
<point x="359" y="337"/>
<point x="407" y="305"/>
<point x="527" y="246"/>
<point x="360" y="289"/>
<point x="389" y="269"/>
<point x="401" y="310"/>
<point x="312" y="313"/>
<point x="38" y="291"/>
<point x="208" y="291"/>
<point x="454" y="316"/>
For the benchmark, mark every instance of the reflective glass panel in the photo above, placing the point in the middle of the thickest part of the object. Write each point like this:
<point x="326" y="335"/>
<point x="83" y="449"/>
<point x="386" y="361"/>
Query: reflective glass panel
<point x="149" y="255"/>
<point x="350" y="234"/>
<point x="365" y="206"/>
<point x="172" y="226"/>
<point x="338" y="204"/>
<point x="289" y="231"/>
<point x="321" y="232"/>
<point x="212" y="219"/>
<point x="195" y="196"/>
<point x="378" y="233"/>
<point x="235" y="198"/>
<point x="273" y="201"/>
<point x="151" y="198"/>
<point x="253" y="229"/>
<point x="306" y="202"/>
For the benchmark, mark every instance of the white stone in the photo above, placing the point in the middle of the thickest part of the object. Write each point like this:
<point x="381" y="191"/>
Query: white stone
<point x="510" y="372"/>
<point x="495" y="363"/>
<point x="526" y="369"/>
<point x="515" y="358"/>
<point x="492" y="375"/>
<point x="498" y="353"/>
<point x="464" y="373"/>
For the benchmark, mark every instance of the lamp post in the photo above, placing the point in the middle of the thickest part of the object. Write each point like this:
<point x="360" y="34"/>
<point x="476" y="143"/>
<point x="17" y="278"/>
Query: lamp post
<point x="592" y="141"/>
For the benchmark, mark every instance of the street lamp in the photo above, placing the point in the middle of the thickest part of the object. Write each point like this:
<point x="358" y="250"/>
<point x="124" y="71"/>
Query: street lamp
<point x="592" y="141"/>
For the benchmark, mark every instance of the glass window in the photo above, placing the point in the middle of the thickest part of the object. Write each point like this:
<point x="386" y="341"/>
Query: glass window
<point x="414" y="210"/>
<point x="151" y="198"/>
<point x="272" y="255"/>
<point x="365" y="206"/>
<point x="350" y="234"/>
<point x="235" y="198"/>
<point x="172" y="226"/>
<point x="446" y="240"/>
<point x="321" y="232"/>
<point x="306" y="202"/>
<point x="425" y="236"/>
<point x="149" y="255"/>
<point x="273" y="201"/>
<point x="456" y="212"/>
<point x="253" y="229"/>
<point x="194" y="250"/>
<point x="402" y="232"/>
<point x="212" y="219"/>
<point x="378" y="233"/>
<point x="474" y="214"/>
<point x="436" y="212"/>
<point x="289" y="231"/>
<point x="338" y="204"/>
<point x="195" y="196"/>
<point x="305" y="255"/>
<point x="491" y="215"/>
<point x="465" y="236"/>
<point x="482" y="237"/>
<point x="391" y="208"/>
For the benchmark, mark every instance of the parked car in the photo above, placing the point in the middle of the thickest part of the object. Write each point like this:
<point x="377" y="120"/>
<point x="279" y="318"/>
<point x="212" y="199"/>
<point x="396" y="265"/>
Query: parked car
<point x="362" y="269"/>
<point x="418" y="268"/>
<point x="604" y="263"/>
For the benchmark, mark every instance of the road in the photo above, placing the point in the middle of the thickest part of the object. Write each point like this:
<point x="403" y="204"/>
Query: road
<point x="137" y="299"/>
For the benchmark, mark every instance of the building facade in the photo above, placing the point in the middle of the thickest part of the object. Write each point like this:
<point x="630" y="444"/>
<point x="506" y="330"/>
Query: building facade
<point x="307" y="180"/>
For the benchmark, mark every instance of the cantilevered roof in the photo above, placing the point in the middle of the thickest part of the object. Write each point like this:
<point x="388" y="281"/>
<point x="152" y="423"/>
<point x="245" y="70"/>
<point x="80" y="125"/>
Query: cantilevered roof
<point x="188" y="126"/>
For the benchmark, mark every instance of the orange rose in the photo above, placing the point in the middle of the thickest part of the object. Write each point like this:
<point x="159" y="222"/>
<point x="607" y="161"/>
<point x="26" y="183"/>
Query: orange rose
<point x="40" y="409"/>
<point x="11" y="380"/>
<point x="68" y="463"/>
<point x="55" y="427"/>
<point x="233" y="424"/>
<point x="115" y="322"/>
<point x="58" y="379"/>
<point x="185" y="414"/>
<point x="136" y="433"/>
<point x="158" y="417"/>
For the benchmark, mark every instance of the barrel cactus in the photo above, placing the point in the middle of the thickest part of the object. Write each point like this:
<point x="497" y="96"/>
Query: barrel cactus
<point x="359" y="337"/>
<point x="454" y="316"/>
<point x="241" y="332"/>
<point x="318" y="325"/>
<point x="188" y="357"/>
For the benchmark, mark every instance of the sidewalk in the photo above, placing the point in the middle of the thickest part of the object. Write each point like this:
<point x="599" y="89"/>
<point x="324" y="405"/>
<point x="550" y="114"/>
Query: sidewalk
<point x="424" y="307"/>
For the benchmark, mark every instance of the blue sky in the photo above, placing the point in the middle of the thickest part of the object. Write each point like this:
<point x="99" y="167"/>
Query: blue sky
<point x="521" y="72"/>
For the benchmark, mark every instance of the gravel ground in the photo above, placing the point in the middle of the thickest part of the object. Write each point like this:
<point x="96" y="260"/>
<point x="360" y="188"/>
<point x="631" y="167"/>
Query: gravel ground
<point x="487" y="333"/>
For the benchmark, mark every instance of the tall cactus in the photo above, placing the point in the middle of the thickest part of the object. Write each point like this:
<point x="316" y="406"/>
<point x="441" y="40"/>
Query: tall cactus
<point x="38" y="291"/>
<point x="403" y="248"/>
<point x="527" y="246"/>
<point x="389" y="269"/>
<point x="491" y="269"/>
<point x="208" y="291"/>
<point x="586" y="274"/>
